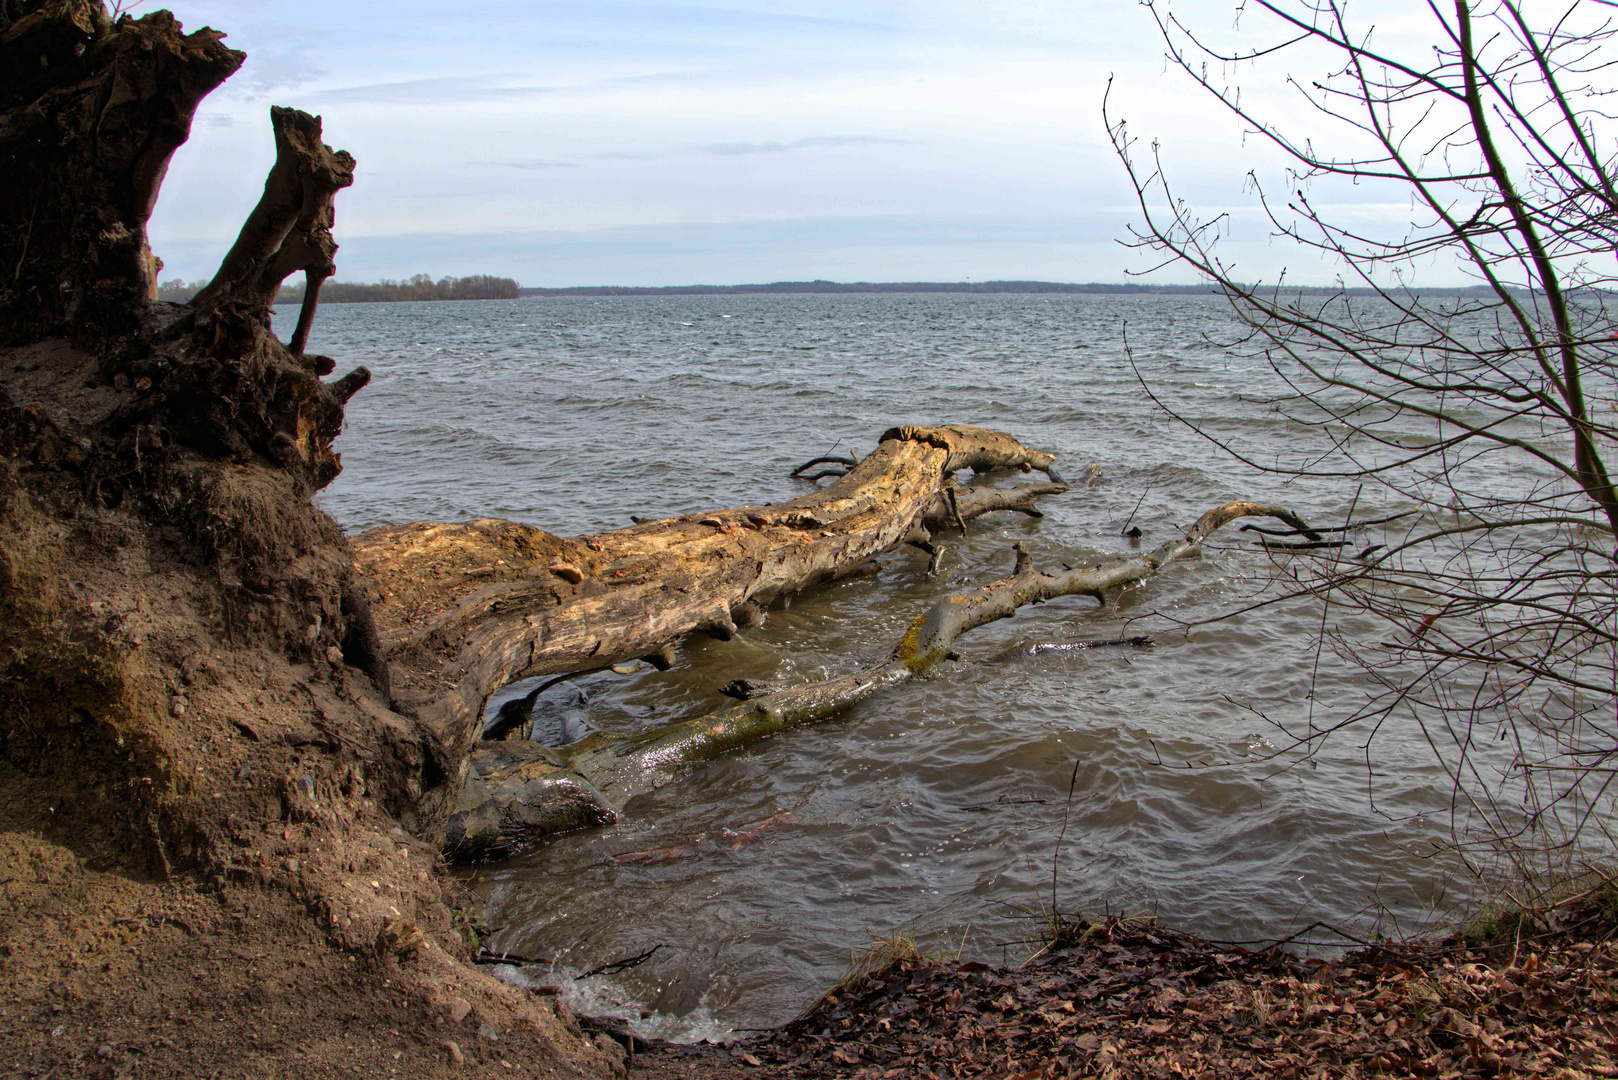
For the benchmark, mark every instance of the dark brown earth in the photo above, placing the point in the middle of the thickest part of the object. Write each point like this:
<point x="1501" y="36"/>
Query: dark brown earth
<point x="105" y="973"/>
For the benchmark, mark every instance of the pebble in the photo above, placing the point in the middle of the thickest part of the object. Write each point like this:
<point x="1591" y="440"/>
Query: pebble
<point x="456" y="1058"/>
<point x="458" y="1008"/>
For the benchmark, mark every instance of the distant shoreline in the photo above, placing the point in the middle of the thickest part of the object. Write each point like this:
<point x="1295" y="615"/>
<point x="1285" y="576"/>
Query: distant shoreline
<point x="1069" y="288"/>
<point x="483" y="287"/>
<point x="798" y="287"/>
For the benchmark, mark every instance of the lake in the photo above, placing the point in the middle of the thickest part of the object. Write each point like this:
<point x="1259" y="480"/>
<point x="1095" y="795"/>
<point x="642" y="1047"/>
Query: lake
<point x="933" y="810"/>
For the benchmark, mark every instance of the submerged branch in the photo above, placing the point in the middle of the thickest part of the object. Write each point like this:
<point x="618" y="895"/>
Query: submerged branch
<point x="614" y="769"/>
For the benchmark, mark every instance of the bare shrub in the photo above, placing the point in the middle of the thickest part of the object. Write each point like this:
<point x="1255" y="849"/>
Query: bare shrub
<point x="1484" y="416"/>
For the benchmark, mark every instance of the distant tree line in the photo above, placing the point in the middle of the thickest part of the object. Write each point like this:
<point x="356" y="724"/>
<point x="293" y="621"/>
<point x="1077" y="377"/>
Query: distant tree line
<point x="420" y="287"/>
<point x="179" y="290"/>
<point x="864" y="287"/>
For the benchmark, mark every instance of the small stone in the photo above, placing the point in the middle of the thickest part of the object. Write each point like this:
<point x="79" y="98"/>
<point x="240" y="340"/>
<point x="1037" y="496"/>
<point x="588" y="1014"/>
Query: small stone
<point x="458" y="1009"/>
<point x="566" y="571"/>
<point x="456" y="1058"/>
<point x="177" y="707"/>
<point x="334" y="656"/>
<point x="104" y="1051"/>
<point x="400" y="937"/>
<point x="487" y="1032"/>
<point x="291" y="866"/>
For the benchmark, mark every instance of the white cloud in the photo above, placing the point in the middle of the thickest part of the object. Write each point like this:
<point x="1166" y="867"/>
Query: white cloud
<point x="535" y="117"/>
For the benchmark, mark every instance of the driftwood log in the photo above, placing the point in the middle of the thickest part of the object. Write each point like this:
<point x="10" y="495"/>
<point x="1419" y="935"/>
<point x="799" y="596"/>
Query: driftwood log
<point x="521" y="793"/>
<point x="466" y="609"/>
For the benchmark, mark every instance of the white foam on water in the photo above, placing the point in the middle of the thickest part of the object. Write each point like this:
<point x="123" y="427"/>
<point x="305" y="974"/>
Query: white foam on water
<point x="601" y="998"/>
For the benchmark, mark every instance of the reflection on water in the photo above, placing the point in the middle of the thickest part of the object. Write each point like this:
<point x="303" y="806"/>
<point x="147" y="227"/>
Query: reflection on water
<point x="936" y="806"/>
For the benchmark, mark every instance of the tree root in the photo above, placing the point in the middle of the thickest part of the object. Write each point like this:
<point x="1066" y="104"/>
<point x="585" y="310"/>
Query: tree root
<point x="615" y="769"/>
<point x="290" y="228"/>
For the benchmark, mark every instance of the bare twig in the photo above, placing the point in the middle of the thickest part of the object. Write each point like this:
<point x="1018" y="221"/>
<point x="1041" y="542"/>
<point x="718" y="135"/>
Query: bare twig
<point x="622" y="965"/>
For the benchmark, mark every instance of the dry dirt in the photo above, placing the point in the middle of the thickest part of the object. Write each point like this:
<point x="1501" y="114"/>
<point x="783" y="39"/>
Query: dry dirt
<point x="115" y="975"/>
<point x="105" y="974"/>
<point x="210" y="860"/>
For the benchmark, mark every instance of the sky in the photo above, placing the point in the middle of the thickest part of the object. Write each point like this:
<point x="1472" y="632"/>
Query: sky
<point x="668" y="143"/>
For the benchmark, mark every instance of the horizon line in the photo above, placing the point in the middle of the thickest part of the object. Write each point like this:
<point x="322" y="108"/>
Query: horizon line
<point x="822" y="285"/>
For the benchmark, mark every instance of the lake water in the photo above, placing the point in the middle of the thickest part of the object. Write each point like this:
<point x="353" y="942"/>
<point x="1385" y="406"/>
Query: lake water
<point x="934" y="809"/>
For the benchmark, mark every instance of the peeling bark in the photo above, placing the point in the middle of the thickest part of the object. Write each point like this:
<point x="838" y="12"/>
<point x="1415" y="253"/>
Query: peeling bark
<point x="617" y="769"/>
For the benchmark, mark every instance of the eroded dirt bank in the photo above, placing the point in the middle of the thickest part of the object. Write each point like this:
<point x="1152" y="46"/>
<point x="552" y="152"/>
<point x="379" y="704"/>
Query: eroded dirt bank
<point x="218" y="850"/>
<point x="205" y="867"/>
<point x="110" y="975"/>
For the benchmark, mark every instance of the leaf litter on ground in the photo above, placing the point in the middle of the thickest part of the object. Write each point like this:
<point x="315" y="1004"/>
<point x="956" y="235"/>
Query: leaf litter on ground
<point x="1121" y="998"/>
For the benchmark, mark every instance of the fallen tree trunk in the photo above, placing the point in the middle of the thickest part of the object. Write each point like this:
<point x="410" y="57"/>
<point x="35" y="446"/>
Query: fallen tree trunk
<point x="466" y="609"/>
<point x="590" y="781"/>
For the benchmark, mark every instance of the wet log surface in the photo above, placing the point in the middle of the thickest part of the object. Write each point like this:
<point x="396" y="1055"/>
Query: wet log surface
<point x="466" y="609"/>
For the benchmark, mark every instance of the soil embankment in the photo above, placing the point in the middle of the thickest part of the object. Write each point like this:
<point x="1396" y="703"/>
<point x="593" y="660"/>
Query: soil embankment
<point x="217" y="838"/>
<point x="109" y="974"/>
